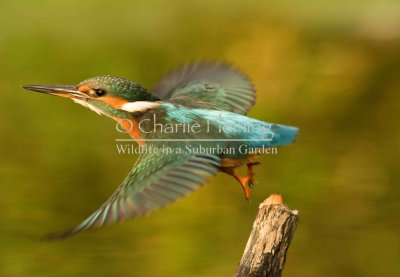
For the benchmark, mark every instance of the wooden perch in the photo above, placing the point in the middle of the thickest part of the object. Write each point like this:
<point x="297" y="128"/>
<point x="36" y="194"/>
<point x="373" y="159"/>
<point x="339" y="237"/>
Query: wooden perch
<point x="273" y="230"/>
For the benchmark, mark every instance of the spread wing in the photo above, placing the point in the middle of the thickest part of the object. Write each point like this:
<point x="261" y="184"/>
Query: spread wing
<point x="155" y="181"/>
<point x="208" y="85"/>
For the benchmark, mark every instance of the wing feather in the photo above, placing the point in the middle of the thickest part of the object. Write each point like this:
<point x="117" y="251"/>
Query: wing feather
<point x="146" y="189"/>
<point x="208" y="85"/>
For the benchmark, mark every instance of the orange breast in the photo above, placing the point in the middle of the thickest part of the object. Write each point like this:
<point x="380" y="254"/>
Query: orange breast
<point x="131" y="127"/>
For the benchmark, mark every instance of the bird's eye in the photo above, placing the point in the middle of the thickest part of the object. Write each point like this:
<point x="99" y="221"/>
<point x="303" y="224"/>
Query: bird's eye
<point x="99" y="92"/>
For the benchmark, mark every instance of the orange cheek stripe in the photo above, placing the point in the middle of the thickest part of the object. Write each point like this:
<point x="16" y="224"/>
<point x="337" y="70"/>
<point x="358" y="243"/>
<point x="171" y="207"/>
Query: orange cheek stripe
<point x="114" y="102"/>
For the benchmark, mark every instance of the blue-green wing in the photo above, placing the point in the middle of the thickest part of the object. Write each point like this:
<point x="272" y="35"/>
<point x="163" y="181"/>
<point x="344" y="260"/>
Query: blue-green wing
<point x="155" y="181"/>
<point x="208" y="85"/>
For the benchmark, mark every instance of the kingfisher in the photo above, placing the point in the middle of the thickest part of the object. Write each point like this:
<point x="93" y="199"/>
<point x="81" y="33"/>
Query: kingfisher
<point x="212" y="98"/>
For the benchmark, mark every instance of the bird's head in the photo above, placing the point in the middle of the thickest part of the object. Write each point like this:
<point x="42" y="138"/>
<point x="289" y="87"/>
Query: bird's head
<point x="102" y="94"/>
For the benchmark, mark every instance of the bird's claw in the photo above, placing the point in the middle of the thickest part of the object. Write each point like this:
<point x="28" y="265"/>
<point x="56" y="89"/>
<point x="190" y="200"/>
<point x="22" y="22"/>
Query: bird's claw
<point x="250" y="174"/>
<point x="250" y="183"/>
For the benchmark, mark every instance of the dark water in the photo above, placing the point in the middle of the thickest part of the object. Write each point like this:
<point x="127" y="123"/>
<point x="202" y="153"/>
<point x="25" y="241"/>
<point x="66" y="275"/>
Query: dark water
<point x="333" y="70"/>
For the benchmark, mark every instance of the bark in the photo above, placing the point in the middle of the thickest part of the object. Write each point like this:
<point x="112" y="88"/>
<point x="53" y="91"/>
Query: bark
<point x="273" y="230"/>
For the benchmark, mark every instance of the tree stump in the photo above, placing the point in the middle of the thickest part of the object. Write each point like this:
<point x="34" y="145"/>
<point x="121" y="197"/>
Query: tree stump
<point x="273" y="230"/>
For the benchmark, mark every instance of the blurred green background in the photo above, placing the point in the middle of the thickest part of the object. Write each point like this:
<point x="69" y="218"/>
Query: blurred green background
<point x="330" y="67"/>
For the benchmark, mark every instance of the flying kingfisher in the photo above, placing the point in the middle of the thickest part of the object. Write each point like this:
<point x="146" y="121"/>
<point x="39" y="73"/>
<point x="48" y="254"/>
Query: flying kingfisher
<point x="214" y="97"/>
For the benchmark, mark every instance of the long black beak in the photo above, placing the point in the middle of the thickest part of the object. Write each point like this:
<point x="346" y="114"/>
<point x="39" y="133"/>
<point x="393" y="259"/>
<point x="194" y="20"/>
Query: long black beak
<point x="60" y="90"/>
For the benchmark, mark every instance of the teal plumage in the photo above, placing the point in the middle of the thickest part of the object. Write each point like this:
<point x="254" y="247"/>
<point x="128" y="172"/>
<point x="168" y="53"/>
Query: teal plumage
<point x="213" y="95"/>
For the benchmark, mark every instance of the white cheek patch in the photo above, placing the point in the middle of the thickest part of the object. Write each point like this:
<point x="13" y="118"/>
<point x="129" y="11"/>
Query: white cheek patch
<point x="87" y="105"/>
<point x="139" y="106"/>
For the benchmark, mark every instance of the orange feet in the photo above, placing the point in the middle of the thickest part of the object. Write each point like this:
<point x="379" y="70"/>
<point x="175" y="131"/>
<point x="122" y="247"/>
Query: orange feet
<point x="243" y="181"/>
<point x="250" y="173"/>
<point x="246" y="182"/>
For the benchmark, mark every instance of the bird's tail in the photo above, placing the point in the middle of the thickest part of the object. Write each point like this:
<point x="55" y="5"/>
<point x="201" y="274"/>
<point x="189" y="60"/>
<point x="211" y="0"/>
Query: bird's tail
<point x="283" y="135"/>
